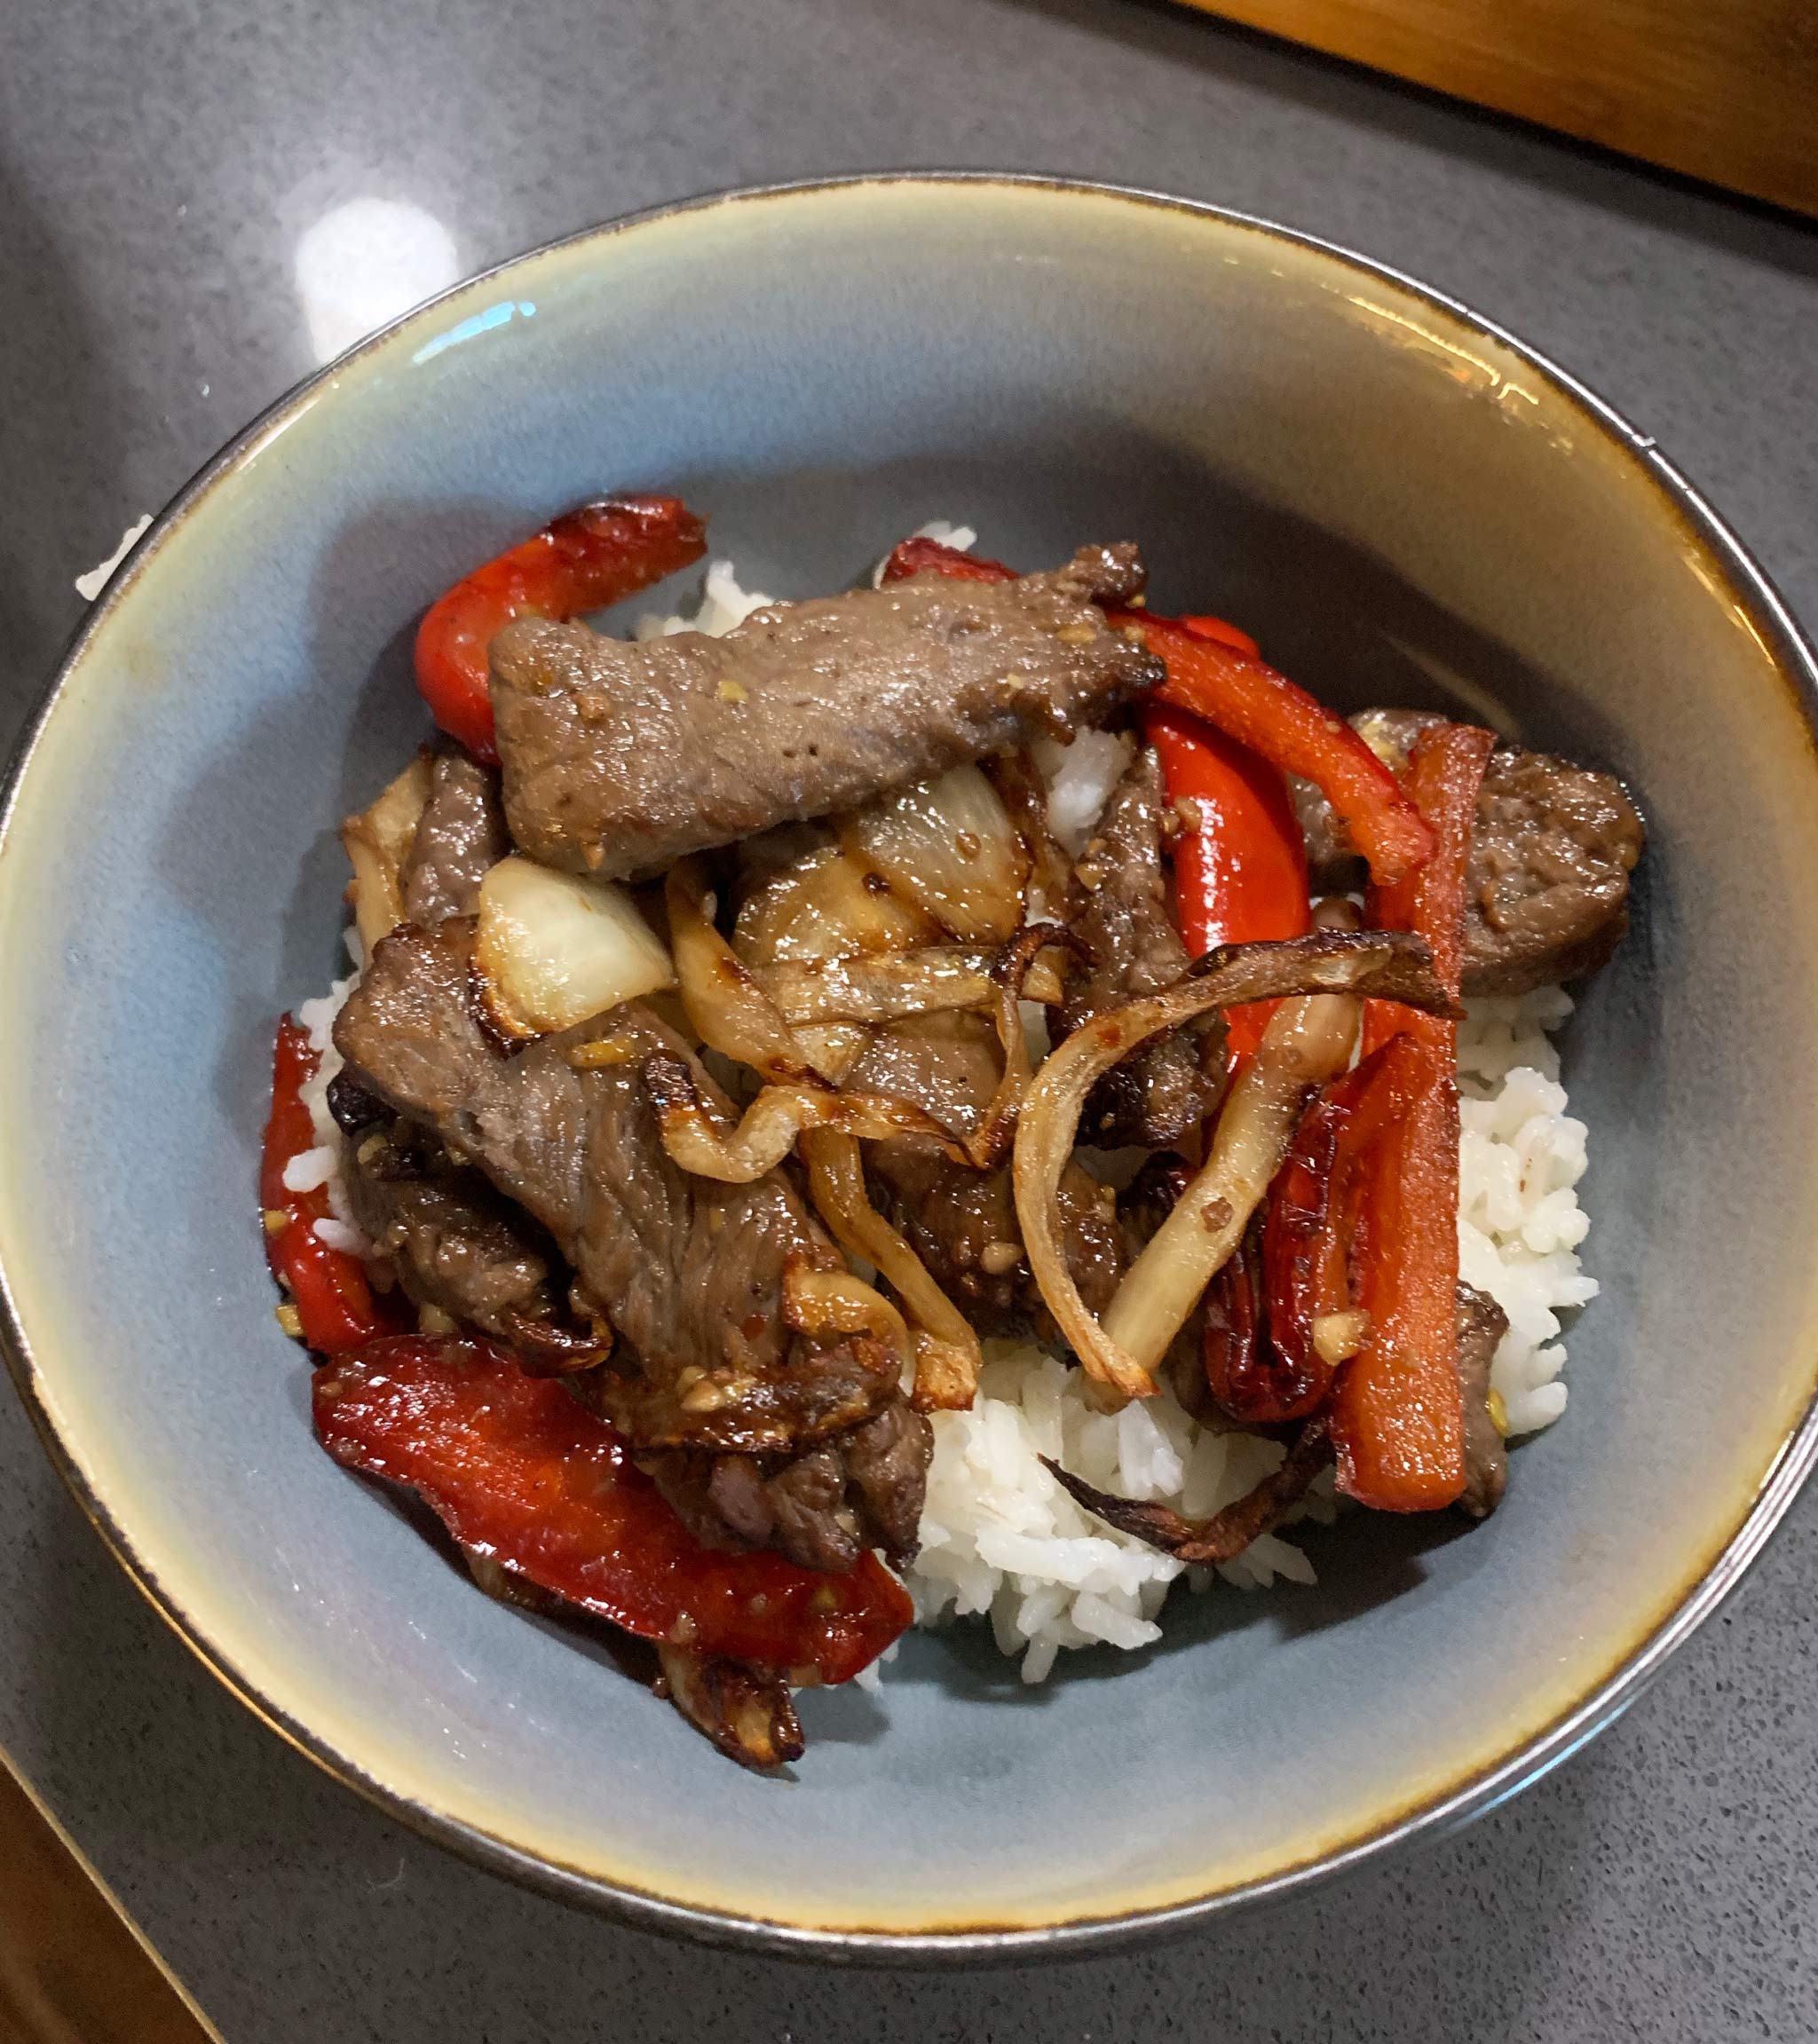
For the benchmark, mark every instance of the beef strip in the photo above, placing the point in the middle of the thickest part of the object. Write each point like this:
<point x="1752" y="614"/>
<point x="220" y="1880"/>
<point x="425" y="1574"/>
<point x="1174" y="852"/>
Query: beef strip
<point x="947" y="1063"/>
<point x="459" y="836"/>
<point x="690" y="1272"/>
<point x="819" y="1508"/>
<point x="1551" y="855"/>
<point x="457" y="1245"/>
<point x="1131" y="948"/>
<point x="1552" y="851"/>
<point x="620" y="757"/>
<point x="460" y="1248"/>
<point x="1481" y="1325"/>
<point x="961" y="1222"/>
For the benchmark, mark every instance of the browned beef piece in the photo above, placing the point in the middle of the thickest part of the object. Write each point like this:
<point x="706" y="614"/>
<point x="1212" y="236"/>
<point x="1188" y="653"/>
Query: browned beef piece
<point x="618" y="758"/>
<point x="819" y="1508"/>
<point x="457" y="1246"/>
<point x="1481" y="1325"/>
<point x="962" y="1224"/>
<point x="1552" y="851"/>
<point x="948" y="1064"/>
<point x="689" y="1272"/>
<point x="1131" y="948"/>
<point x="1551" y="856"/>
<point x="459" y="838"/>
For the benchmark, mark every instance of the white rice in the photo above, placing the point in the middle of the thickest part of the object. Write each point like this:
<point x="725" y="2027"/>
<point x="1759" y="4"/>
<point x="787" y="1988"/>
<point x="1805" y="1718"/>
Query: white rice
<point x="998" y="1534"/>
<point x="322" y="1166"/>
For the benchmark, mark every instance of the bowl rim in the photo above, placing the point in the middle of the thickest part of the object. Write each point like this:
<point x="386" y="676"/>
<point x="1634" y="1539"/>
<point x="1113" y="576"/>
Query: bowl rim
<point x="1430" y="1815"/>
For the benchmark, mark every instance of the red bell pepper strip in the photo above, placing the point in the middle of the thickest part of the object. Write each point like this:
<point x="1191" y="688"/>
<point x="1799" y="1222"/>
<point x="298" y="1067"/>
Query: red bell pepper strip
<point x="517" y="1469"/>
<point x="582" y="561"/>
<point x="1208" y="627"/>
<point x="1300" y="1271"/>
<point x="1224" y="682"/>
<point x="328" y="1288"/>
<point x="1251" y="702"/>
<point x="1397" y="1414"/>
<point x="920" y="556"/>
<point x="1445" y="772"/>
<point x="1397" y="1409"/>
<point x="1240" y="875"/>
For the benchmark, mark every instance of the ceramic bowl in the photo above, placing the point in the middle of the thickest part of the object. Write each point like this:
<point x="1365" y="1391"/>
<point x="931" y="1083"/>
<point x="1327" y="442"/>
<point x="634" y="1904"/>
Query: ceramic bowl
<point x="1405" y="505"/>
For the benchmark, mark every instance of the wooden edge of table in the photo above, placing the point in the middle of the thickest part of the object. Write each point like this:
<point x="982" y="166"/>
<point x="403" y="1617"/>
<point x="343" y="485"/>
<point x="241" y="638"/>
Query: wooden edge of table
<point x="74" y="1968"/>
<point x="1726" y="92"/>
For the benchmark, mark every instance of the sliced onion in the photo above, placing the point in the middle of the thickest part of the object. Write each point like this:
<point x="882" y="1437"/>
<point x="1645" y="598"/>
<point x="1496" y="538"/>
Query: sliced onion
<point x="885" y="986"/>
<point x="1022" y="788"/>
<point x="553" y="949"/>
<point x="1308" y="1041"/>
<point x="819" y="1302"/>
<point x="947" y="846"/>
<point x="697" y="1140"/>
<point x="377" y="842"/>
<point x="1383" y="965"/>
<point x="728" y="1008"/>
<point x="947" y="1355"/>
<point x="820" y="903"/>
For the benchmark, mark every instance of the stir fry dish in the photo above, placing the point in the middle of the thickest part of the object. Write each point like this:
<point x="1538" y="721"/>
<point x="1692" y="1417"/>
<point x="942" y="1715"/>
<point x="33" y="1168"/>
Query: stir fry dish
<point x="943" y="1097"/>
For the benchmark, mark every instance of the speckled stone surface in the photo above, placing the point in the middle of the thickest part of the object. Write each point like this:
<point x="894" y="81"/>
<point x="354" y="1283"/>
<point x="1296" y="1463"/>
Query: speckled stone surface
<point x="157" y="169"/>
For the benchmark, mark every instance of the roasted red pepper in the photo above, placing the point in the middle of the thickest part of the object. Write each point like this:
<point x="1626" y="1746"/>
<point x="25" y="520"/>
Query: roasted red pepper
<point x="1240" y="874"/>
<point x="1229" y="635"/>
<point x="1397" y="1415"/>
<point x="920" y="556"/>
<point x="1222" y="680"/>
<point x="1397" y="1409"/>
<point x="1247" y="700"/>
<point x="582" y="561"/>
<point x="334" y="1302"/>
<point x="1445" y="773"/>
<point x="517" y="1469"/>
<point x="1262" y="1360"/>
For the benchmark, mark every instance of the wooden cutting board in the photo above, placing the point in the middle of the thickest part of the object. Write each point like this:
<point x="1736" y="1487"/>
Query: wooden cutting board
<point x="1723" y="89"/>
<point x="72" y="1968"/>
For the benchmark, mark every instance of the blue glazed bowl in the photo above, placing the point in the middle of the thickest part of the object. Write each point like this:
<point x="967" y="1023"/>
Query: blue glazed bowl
<point x="1406" y="505"/>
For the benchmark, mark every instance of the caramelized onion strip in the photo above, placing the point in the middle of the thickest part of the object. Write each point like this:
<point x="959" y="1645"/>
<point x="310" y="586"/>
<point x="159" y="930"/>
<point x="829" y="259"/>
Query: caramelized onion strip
<point x="947" y="1357"/>
<point x="1383" y="965"/>
<point x="377" y="842"/>
<point x="700" y="1142"/>
<point x="947" y="845"/>
<point x="730" y="1010"/>
<point x="885" y="986"/>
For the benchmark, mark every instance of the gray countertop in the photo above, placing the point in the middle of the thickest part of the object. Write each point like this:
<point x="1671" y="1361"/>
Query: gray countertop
<point x="158" y="167"/>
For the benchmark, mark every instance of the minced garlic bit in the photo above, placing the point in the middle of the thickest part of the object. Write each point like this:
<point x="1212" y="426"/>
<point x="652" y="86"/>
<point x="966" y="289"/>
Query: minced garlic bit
<point x="1338" y="1336"/>
<point x="998" y="1256"/>
<point x="290" y="1320"/>
<point x="276" y="1219"/>
<point x="1077" y="635"/>
<point x="1498" y="1413"/>
<point x="731" y="691"/>
<point x="606" y="1050"/>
